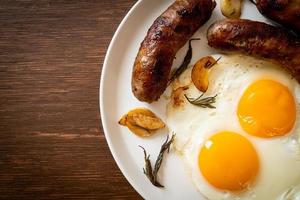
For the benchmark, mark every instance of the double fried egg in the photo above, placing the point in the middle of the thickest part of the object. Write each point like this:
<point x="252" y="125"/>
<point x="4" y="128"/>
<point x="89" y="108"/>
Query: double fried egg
<point x="248" y="146"/>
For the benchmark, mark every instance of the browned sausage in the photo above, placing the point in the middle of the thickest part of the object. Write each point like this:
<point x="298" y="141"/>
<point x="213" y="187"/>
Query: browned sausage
<point x="257" y="39"/>
<point x="166" y="36"/>
<point x="284" y="12"/>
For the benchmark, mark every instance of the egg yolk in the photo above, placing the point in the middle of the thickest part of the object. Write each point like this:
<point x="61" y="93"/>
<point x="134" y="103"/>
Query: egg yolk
<point x="228" y="161"/>
<point x="267" y="109"/>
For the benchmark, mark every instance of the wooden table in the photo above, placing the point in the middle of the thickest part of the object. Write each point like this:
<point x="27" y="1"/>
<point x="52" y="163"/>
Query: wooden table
<point x="52" y="144"/>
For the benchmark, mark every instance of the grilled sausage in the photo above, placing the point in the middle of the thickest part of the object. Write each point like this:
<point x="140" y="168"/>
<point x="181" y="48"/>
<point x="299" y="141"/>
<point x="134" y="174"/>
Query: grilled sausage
<point x="284" y="12"/>
<point x="257" y="39"/>
<point x="166" y="36"/>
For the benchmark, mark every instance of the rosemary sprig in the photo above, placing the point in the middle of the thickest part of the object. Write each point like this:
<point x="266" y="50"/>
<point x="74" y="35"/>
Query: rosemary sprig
<point x="148" y="170"/>
<point x="202" y="102"/>
<point x="152" y="174"/>
<point x="185" y="63"/>
<point x="165" y="147"/>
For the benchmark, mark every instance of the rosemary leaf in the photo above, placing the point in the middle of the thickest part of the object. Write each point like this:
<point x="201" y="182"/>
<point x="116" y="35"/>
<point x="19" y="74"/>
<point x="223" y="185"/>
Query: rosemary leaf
<point x="152" y="174"/>
<point x="185" y="63"/>
<point x="164" y="147"/>
<point x="209" y="65"/>
<point x="202" y="102"/>
<point x="148" y="169"/>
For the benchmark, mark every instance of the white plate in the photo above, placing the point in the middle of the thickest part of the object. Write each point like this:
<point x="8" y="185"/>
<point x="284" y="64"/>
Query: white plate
<point x="116" y="99"/>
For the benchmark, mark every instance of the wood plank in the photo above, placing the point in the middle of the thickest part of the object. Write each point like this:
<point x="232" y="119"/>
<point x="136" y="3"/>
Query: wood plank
<point x="51" y="140"/>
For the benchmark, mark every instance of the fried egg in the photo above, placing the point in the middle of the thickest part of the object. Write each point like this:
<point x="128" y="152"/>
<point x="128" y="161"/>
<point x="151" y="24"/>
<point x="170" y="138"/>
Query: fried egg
<point x="248" y="146"/>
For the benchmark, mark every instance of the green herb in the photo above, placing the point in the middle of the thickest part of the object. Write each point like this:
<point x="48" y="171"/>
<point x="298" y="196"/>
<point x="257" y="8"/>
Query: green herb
<point x="202" y="102"/>
<point x="152" y="174"/>
<point x="185" y="63"/>
<point x="209" y="65"/>
<point x="148" y="170"/>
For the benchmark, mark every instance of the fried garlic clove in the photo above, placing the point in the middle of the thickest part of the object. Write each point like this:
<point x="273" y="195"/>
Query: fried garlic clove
<point x="137" y="130"/>
<point x="200" y="72"/>
<point x="231" y="8"/>
<point x="142" y="122"/>
<point x="123" y="120"/>
<point x="147" y="122"/>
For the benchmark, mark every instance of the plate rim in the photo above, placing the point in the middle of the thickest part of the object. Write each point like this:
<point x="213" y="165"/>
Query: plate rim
<point x="101" y="98"/>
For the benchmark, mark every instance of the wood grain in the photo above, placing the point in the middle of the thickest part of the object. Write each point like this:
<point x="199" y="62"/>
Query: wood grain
<point x="51" y="140"/>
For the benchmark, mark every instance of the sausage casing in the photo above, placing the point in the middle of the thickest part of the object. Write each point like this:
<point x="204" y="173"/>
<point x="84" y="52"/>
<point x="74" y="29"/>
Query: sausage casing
<point x="166" y="36"/>
<point x="257" y="39"/>
<point x="284" y="12"/>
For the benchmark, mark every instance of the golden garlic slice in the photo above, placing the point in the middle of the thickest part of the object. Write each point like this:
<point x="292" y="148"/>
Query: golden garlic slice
<point x="142" y="122"/>
<point x="231" y="8"/>
<point x="200" y="72"/>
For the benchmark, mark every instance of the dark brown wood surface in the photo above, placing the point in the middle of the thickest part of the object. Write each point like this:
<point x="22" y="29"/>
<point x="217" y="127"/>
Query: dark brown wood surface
<point x="52" y="144"/>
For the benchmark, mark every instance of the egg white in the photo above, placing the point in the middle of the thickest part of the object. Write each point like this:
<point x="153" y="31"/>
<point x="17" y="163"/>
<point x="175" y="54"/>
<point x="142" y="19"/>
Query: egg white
<point x="279" y="157"/>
